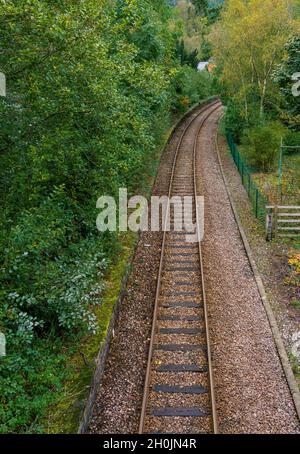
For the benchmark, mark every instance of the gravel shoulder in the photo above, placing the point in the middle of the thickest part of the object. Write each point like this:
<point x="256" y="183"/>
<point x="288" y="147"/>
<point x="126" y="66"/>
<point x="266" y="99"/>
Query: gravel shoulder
<point x="271" y="257"/>
<point x="251" y="390"/>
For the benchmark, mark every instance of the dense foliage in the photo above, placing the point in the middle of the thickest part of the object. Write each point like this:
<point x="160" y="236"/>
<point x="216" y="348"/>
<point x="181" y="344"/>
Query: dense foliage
<point x="195" y="18"/>
<point x="256" y="47"/>
<point x="283" y="76"/>
<point x="255" y="67"/>
<point x="92" y="86"/>
<point x="261" y="144"/>
<point x="186" y="57"/>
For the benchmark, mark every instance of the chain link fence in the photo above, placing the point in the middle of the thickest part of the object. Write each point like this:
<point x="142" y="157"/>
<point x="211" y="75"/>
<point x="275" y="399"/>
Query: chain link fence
<point x="257" y="199"/>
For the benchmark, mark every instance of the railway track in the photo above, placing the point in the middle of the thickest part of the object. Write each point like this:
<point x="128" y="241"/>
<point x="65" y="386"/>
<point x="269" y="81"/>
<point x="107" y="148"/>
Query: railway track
<point x="179" y="391"/>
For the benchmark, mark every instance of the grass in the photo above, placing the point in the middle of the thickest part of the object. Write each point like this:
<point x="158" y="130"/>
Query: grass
<point x="268" y="183"/>
<point x="295" y="303"/>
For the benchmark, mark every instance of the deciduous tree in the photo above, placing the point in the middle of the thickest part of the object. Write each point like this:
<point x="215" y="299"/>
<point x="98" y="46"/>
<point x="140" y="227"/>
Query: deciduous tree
<point x="286" y="75"/>
<point x="248" y="42"/>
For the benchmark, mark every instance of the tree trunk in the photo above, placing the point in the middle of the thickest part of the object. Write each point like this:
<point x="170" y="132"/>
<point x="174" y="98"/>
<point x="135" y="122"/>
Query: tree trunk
<point x="262" y="98"/>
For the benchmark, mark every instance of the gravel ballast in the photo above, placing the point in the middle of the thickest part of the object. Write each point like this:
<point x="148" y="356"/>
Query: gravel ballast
<point x="252" y="394"/>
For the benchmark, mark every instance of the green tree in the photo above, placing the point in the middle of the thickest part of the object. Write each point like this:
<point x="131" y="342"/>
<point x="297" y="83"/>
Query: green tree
<point x="201" y="7"/>
<point x="261" y="144"/>
<point x="247" y="43"/>
<point x="194" y="26"/>
<point x="185" y="57"/>
<point x="285" y="75"/>
<point x="90" y="88"/>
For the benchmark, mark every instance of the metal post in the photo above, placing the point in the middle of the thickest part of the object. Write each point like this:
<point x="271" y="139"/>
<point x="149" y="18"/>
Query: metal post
<point x="269" y="224"/>
<point x="242" y="171"/>
<point x="256" y="203"/>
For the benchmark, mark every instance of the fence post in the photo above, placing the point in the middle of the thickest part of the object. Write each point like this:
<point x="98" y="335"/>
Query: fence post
<point x="242" y="170"/>
<point x="269" y="225"/>
<point x="256" y="203"/>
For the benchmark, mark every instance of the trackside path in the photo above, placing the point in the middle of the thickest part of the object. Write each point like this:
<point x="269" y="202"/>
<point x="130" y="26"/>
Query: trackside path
<point x="251" y="390"/>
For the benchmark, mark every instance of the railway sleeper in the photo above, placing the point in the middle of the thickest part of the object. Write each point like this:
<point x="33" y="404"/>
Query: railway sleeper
<point x="194" y="389"/>
<point x="179" y="411"/>
<point x="180" y="347"/>
<point x="181" y="368"/>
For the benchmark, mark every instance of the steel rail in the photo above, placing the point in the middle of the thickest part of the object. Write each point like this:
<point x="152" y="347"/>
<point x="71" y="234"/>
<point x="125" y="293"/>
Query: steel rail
<point x="158" y="288"/>
<point x="209" y="359"/>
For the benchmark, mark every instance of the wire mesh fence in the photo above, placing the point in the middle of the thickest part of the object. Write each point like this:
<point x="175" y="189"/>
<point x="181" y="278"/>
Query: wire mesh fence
<point x="289" y="175"/>
<point x="257" y="199"/>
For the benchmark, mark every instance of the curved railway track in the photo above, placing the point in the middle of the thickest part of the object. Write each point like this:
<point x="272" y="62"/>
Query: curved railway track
<point x="179" y="390"/>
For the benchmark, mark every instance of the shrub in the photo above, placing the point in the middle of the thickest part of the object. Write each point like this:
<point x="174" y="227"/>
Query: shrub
<point x="292" y="139"/>
<point x="234" y="122"/>
<point x="261" y="144"/>
<point x="294" y="268"/>
<point x="31" y="376"/>
<point x="190" y="86"/>
<point x="89" y="101"/>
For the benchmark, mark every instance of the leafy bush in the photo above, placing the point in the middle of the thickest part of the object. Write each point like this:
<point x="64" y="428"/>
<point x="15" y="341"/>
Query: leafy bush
<point x="283" y="73"/>
<point x="292" y="139"/>
<point x="294" y="267"/>
<point x="234" y="122"/>
<point x="191" y="86"/>
<point x="261" y="144"/>
<point x="31" y="377"/>
<point x="90" y="98"/>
